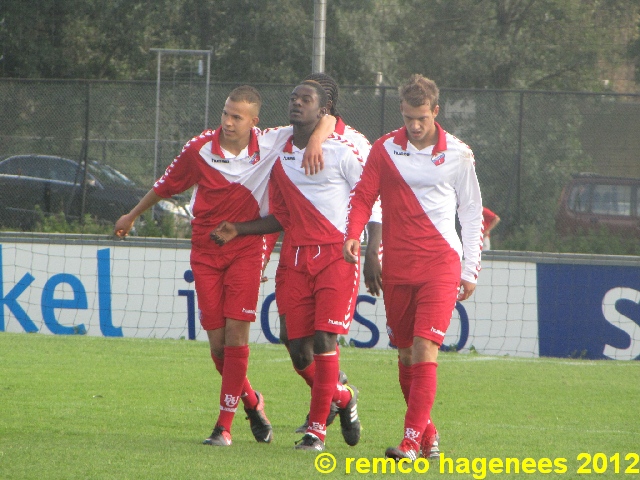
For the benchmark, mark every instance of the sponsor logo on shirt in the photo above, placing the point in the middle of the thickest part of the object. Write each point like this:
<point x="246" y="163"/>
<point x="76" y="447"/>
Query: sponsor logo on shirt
<point x="405" y="154"/>
<point x="438" y="159"/>
<point x="289" y="157"/>
<point x="220" y="160"/>
<point x="252" y="312"/>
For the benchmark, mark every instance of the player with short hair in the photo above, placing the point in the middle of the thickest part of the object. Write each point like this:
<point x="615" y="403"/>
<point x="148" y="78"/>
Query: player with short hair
<point x="321" y="288"/>
<point x="229" y="169"/>
<point x="423" y="175"/>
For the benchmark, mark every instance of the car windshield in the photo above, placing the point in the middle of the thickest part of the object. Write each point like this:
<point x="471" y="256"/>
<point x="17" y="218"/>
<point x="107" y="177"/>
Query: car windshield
<point x="107" y="174"/>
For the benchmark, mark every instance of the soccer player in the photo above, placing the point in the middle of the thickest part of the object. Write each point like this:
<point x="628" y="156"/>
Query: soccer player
<point x="489" y="222"/>
<point x="230" y="168"/>
<point x="422" y="174"/>
<point x="303" y="362"/>
<point x="321" y="288"/>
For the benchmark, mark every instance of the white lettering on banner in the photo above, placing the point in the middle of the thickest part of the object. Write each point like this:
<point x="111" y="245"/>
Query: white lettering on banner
<point x="610" y="310"/>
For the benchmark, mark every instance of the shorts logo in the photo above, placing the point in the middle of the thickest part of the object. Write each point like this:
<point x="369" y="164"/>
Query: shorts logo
<point x="435" y="330"/>
<point x="438" y="159"/>
<point x="336" y="322"/>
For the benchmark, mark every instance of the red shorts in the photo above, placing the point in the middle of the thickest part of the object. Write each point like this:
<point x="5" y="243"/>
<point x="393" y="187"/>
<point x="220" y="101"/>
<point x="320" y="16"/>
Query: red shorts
<point x="322" y="291"/>
<point x="227" y="285"/>
<point x="287" y="257"/>
<point x="420" y="310"/>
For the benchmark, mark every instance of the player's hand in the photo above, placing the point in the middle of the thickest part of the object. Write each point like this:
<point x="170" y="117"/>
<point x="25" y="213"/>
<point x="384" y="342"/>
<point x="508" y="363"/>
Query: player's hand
<point x="467" y="289"/>
<point x="372" y="272"/>
<point x="312" y="159"/>
<point x="224" y="233"/>
<point x="123" y="226"/>
<point x="351" y="251"/>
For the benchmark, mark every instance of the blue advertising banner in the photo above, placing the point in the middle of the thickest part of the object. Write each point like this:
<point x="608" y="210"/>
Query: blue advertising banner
<point x="589" y="311"/>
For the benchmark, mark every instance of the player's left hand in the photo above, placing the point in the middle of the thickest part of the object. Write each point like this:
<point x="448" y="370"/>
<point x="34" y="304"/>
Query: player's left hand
<point x="372" y="272"/>
<point x="351" y="251"/>
<point x="224" y="233"/>
<point x="312" y="159"/>
<point x="467" y="289"/>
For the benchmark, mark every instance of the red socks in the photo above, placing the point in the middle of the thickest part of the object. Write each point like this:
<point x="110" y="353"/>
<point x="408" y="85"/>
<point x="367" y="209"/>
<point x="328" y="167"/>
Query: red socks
<point x="234" y="374"/>
<point x="421" y="398"/>
<point x="404" y="376"/>
<point x="308" y="374"/>
<point x="322" y="392"/>
<point x="248" y="396"/>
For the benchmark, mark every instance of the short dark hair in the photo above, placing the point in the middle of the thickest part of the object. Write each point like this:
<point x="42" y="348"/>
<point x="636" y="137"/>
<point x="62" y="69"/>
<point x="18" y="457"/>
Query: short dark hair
<point x="419" y="90"/>
<point x="322" y="95"/>
<point x="246" y="93"/>
<point x="330" y="86"/>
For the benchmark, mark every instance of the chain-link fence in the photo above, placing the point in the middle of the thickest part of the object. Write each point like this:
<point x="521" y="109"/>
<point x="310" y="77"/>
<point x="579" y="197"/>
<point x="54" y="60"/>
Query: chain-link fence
<point x="528" y="145"/>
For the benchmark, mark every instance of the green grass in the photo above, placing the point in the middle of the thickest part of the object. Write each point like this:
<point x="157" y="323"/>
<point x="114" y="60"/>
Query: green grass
<point x="91" y="407"/>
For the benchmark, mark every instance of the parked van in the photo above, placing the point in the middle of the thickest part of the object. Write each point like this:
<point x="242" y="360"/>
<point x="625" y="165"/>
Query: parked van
<point x="590" y="201"/>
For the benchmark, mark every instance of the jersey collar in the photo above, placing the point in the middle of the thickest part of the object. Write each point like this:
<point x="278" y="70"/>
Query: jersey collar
<point x="216" y="149"/>
<point x="401" y="138"/>
<point x="288" y="147"/>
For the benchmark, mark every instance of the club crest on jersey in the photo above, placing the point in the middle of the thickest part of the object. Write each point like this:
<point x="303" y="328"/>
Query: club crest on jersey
<point x="255" y="158"/>
<point x="438" y="159"/>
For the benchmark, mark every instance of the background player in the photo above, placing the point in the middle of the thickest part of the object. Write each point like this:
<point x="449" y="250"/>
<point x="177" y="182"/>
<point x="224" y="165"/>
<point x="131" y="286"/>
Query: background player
<point x="321" y="288"/>
<point x="422" y="174"/>
<point x="229" y="168"/>
<point x="489" y="222"/>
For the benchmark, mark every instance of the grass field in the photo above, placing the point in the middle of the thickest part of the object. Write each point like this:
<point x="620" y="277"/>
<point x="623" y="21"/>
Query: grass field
<point x="104" y="408"/>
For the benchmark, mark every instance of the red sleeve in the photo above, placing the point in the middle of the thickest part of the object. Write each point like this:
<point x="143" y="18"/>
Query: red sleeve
<point x="270" y="243"/>
<point x="277" y="205"/>
<point x="487" y="217"/>
<point x="182" y="174"/>
<point x="364" y="194"/>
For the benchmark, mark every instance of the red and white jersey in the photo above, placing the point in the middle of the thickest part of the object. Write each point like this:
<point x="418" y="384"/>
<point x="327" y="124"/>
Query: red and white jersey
<point x="313" y="208"/>
<point x="227" y="187"/>
<point x="364" y="147"/>
<point x="420" y="191"/>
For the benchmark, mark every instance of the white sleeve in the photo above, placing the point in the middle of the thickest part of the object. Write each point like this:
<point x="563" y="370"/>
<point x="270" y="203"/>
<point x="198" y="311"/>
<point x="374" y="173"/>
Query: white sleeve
<point x="470" y="216"/>
<point x="376" y="212"/>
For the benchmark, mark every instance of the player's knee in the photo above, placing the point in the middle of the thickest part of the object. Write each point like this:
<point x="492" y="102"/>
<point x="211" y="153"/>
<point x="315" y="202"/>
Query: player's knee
<point x="324" y="342"/>
<point x="301" y="353"/>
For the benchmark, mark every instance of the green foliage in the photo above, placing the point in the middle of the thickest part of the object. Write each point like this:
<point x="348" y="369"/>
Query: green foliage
<point x="58" y="223"/>
<point x="94" y="407"/>
<point x="542" y="44"/>
<point x="145" y="226"/>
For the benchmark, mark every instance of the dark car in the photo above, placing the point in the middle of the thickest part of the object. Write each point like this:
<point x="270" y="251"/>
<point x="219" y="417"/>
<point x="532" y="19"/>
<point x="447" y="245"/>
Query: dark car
<point x="593" y="202"/>
<point x="54" y="184"/>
